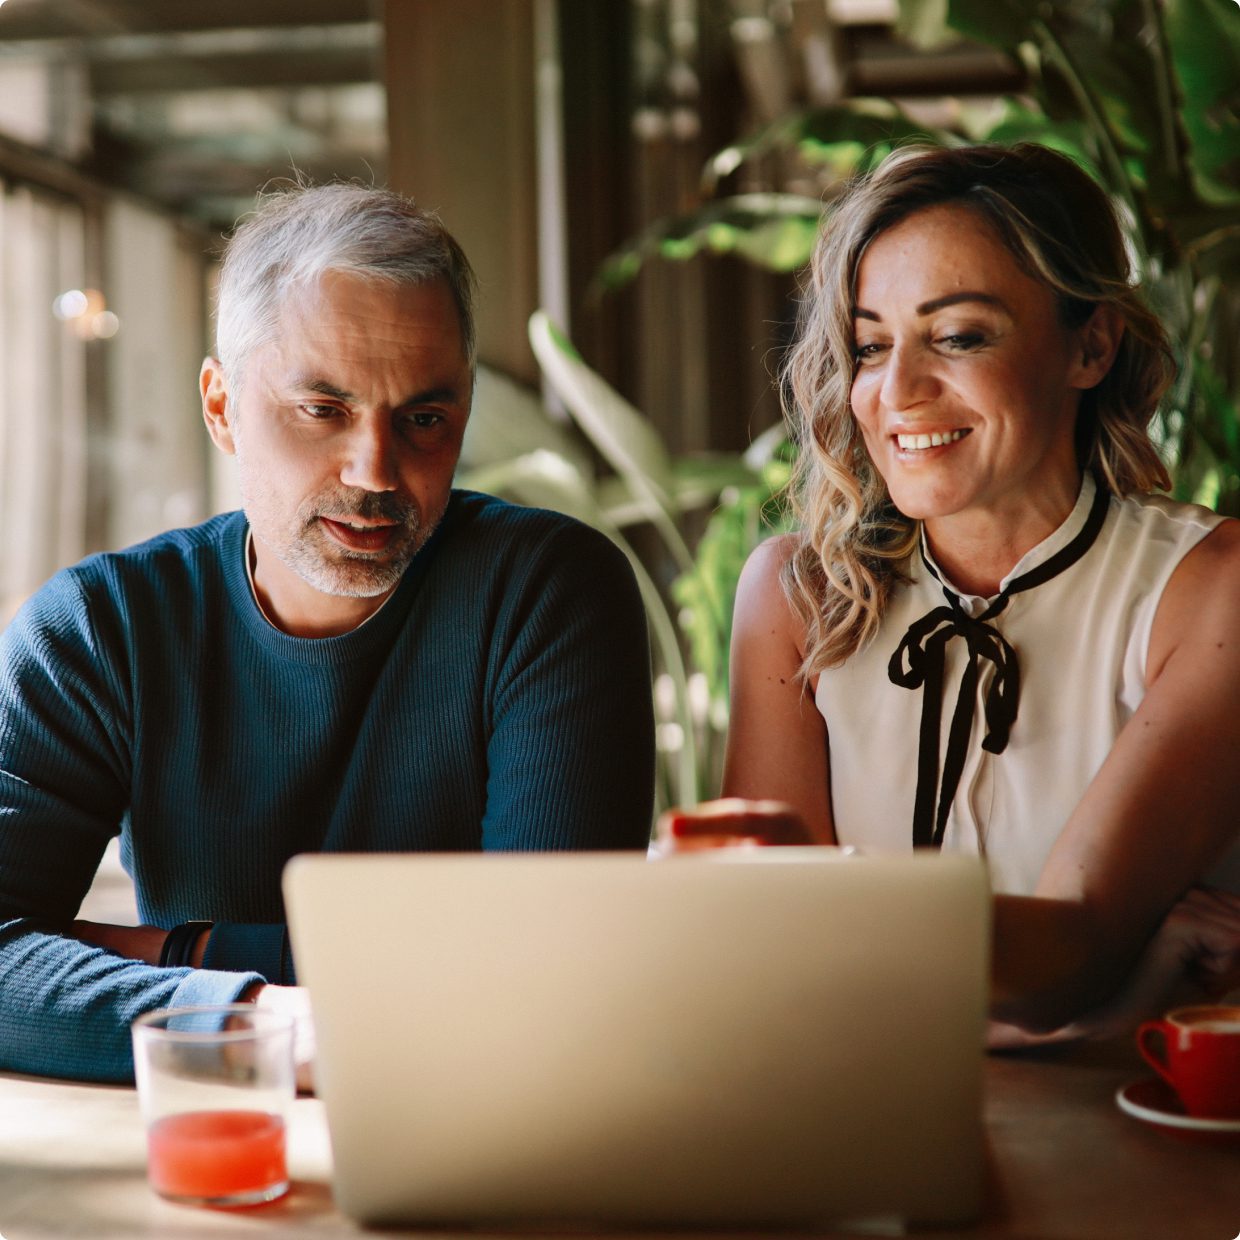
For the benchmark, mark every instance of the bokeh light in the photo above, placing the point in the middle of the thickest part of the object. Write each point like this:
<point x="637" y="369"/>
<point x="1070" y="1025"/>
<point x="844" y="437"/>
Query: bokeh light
<point x="85" y="312"/>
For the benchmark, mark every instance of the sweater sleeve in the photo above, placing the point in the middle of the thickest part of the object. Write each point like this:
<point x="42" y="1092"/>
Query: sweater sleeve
<point x="571" y="744"/>
<point x="263" y="948"/>
<point x="65" y="1006"/>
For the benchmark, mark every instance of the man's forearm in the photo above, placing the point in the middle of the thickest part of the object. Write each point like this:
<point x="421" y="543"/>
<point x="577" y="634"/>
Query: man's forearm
<point x="66" y="1006"/>
<point x="144" y="943"/>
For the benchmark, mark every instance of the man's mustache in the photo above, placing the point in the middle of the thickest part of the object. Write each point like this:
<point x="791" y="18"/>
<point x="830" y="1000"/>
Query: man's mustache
<point x="368" y="505"/>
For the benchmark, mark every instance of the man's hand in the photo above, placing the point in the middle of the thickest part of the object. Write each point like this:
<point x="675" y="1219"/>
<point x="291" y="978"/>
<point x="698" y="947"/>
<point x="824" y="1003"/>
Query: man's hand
<point x="293" y="1001"/>
<point x="729" y="823"/>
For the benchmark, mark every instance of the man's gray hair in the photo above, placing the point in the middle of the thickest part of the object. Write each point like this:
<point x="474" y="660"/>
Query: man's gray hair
<point x="296" y="236"/>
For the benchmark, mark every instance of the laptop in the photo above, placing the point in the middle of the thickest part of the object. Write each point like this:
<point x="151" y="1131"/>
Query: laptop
<point x="767" y="1038"/>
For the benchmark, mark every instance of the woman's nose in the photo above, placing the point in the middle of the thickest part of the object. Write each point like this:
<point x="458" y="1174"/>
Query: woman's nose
<point x="908" y="378"/>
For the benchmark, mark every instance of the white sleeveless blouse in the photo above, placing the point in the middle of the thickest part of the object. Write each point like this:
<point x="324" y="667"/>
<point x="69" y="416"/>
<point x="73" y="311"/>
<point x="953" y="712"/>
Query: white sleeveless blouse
<point x="1081" y="640"/>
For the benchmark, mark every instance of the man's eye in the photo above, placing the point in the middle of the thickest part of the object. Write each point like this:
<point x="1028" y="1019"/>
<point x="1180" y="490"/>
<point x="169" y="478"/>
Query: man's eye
<point x="423" y="419"/>
<point x="321" y="411"/>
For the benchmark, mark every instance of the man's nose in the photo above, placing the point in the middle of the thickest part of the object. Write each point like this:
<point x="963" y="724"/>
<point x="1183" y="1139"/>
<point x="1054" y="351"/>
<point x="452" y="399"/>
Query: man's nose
<point x="908" y="378"/>
<point x="370" y="456"/>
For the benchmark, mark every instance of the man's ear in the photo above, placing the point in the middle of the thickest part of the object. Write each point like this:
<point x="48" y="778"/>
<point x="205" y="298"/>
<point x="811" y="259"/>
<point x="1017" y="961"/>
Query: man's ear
<point x="1097" y="343"/>
<point x="217" y="409"/>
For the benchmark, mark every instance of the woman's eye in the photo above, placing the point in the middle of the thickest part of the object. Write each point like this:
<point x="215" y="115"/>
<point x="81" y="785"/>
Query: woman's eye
<point x="866" y="352"/>
<point x="963" y="341"/>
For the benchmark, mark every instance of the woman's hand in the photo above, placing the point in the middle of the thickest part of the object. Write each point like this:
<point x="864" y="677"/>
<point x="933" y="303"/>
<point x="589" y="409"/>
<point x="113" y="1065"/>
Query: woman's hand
<point x="729" y="823"/>
<point x="1193" y="958"/>
<point x="1206" y="927"/>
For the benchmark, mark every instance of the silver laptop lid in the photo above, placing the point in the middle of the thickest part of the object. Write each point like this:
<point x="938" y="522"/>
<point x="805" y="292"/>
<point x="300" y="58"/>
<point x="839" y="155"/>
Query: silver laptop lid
<point x="782" y="1037"/>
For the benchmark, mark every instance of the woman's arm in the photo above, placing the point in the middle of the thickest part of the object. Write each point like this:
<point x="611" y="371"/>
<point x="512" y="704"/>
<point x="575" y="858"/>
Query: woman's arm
<point x="1159" y="812"/>
<point x="775" y="780"/>
<point x="777" y="740"/>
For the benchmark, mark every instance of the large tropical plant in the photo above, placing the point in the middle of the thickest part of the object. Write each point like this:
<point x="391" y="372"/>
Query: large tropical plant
<point x="1144" y="93"/>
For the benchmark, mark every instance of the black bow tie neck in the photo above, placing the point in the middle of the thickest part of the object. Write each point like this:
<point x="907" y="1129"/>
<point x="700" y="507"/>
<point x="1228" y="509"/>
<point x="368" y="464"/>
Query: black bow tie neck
<point x="920" y="661"/>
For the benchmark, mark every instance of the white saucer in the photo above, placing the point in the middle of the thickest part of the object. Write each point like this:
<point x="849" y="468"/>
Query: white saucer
<point x="1155" y="1102"/>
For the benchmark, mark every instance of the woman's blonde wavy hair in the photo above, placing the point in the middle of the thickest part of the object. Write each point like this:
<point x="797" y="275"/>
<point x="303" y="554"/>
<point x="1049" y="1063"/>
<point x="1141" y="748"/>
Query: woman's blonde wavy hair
<point x="1059" y="225"/>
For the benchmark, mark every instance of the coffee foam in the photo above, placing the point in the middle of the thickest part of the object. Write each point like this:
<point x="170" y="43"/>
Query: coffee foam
<point x="1210" y="1018"/>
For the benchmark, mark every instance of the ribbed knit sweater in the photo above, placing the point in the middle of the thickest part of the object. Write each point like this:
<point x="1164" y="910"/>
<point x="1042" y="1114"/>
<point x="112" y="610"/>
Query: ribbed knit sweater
<point x="500" y="699"/>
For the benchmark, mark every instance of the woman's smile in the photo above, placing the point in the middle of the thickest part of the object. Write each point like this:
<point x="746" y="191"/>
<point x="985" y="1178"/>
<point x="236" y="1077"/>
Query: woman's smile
<point x="920" y="441"/>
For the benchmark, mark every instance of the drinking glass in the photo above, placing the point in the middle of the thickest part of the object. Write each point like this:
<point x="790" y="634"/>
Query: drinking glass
<point x="215" y="1085"/>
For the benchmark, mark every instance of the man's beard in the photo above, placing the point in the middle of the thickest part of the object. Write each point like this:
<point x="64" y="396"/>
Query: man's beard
<point x="323" y="563"/>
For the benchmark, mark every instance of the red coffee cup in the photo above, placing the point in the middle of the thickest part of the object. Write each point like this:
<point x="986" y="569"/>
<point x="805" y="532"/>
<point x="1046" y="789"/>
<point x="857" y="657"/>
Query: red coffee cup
<point x="1200" y="1057"/>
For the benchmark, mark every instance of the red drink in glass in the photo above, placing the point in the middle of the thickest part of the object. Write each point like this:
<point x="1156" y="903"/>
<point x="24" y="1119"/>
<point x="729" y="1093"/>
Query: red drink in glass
<point x="226" y="1156"/>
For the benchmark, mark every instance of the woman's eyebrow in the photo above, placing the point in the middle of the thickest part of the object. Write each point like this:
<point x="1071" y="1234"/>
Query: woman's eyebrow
<point x="938" y="303"/>
<point x="952" y="299"/>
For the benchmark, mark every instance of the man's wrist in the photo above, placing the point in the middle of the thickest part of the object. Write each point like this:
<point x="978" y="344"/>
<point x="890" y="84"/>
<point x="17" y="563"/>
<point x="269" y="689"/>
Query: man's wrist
<point x="185" y="945"/>
<point x="200" y="946"/>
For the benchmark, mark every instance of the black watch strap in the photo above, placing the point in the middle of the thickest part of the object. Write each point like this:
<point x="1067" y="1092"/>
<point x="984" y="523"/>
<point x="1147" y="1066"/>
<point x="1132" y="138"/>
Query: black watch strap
<point x="179" y="946"/>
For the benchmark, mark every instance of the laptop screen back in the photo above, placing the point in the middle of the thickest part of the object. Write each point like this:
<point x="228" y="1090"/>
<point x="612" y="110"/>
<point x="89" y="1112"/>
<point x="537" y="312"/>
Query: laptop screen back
<point x="780" y="1037"/>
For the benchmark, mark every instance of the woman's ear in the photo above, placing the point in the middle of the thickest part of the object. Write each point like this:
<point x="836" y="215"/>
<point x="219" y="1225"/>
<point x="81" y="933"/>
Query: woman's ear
<point x="217" y="410"/>
<point x="1097" y="343"/>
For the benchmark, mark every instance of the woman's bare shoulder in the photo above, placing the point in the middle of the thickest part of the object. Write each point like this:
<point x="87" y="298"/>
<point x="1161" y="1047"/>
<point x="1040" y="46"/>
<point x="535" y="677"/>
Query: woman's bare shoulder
<point x="1222" y="544"/>
<point x="1198" y="608"/>
<point x="760" y="591"/>
<point x="773" y="553"/>
<point x="1210" y="571"/>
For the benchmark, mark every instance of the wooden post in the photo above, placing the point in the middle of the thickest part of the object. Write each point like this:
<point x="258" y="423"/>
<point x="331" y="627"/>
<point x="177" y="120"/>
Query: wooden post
<point x="460" y="89"/>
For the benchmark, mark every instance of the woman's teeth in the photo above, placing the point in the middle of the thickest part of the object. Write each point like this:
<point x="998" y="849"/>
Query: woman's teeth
<point x="915" y="443"/>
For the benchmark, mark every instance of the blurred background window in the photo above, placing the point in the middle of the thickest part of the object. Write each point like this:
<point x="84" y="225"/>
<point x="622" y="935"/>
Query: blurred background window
<point x="43" y="406"/>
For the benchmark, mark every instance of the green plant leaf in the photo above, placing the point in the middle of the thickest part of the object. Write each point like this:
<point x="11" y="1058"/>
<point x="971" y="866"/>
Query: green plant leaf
<point x="1219" y="411"/>
<point x="1119" y="78"/>
<point x="745" y="516"/>
<point x="775" y="231"/>
<point x="850" y="138"/>
<point x="1212" y="241"/>
<point x="924" y="23"/>
<point x="1020" y="123"/>
<point x="932" y="23"/>
<point x="1204" y="38"/>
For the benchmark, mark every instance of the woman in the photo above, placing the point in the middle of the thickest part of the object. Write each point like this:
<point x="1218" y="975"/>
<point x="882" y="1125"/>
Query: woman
<point x="989" y="635"/>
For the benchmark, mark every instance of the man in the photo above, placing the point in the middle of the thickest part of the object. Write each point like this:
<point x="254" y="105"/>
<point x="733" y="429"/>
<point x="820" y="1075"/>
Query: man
<point x="361" y="659"/>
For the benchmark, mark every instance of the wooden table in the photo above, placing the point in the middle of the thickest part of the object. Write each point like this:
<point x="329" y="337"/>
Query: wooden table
<point x="1066" y="1164"/>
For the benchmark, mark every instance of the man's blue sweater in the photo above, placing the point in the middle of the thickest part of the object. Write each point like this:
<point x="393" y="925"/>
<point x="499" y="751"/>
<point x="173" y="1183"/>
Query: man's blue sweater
<point x="500" y="699"/>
